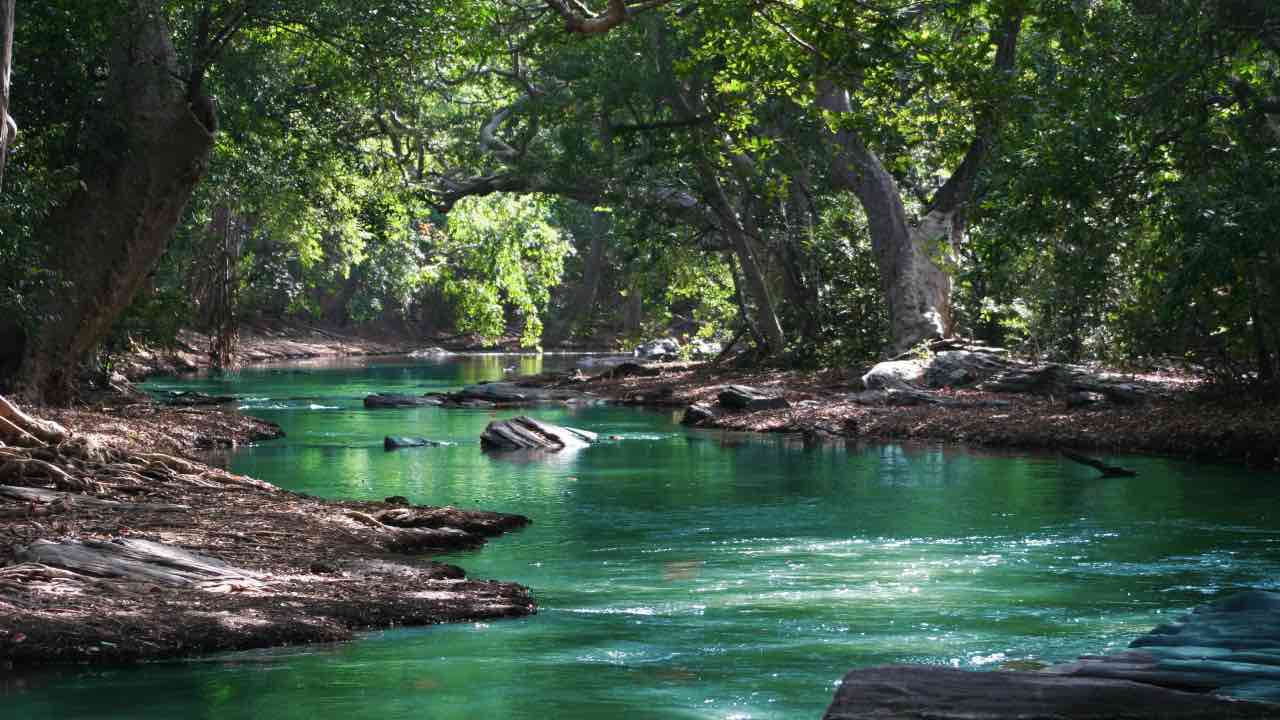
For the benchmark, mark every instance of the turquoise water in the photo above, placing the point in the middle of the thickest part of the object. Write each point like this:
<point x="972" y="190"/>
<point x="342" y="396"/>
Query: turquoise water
<point x="701" y="575"/>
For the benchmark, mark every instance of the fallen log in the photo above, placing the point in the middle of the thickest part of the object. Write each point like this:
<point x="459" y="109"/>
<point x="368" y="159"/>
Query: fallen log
<point x="1105" y="469"/>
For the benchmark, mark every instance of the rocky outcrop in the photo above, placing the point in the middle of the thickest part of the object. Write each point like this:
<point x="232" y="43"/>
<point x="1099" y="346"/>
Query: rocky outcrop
<point x="1220" y="661"/>
<point x="699" y="414"/>
<point x="940" y="693"/>
<point x="660" y="349"/>
<point x="894" y="374"/>
<point x="744" y="397"/>
<point x="390" y="400"/>
<point x="1228" y="647"/>
<point x="525" y="433"/>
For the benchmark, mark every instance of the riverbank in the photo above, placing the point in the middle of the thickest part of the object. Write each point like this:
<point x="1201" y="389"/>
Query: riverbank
<point x="268" y="340"/>
<point x="1173" y="416"/>
<point x="113" y="548"/>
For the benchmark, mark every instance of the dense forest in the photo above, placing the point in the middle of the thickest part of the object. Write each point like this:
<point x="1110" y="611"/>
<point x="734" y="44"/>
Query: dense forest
<point x="830" y="180"/>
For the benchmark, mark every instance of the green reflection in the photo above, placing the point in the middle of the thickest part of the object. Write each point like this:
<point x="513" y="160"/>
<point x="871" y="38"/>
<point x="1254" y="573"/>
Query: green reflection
<point x="703" y="575"/>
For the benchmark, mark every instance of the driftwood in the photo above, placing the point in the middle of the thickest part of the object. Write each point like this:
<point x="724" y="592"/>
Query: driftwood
<point x="1105" y="469"/>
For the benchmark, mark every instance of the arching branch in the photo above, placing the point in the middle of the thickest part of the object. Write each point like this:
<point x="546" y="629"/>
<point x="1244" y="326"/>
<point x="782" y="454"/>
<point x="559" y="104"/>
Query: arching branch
<point x="579" y="19"/>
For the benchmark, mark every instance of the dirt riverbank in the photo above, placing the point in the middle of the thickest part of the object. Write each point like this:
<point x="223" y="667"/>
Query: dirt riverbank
<point x="1174" y="417"/>
<point x="114" y="548"/>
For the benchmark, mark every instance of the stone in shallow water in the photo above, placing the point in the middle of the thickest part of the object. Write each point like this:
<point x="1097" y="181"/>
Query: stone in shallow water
<point x="525" y="433"/>
<point x="395" y="442"/>
<point x="937" y="693"/>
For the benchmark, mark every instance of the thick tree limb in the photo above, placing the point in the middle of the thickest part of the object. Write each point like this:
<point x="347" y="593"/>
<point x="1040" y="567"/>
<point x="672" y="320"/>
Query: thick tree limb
<point x="579" y="19"/>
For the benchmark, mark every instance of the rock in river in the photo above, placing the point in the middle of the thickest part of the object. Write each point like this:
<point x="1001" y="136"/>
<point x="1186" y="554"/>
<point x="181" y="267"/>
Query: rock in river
<point x="390" y="400"/>
<point x="395" y="442"/>
<point x="525" y="433"/>
<point x="941" y="693"/>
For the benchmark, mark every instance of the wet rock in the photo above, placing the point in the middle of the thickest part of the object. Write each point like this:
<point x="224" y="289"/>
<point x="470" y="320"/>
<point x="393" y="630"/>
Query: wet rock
<point x="511" y="394"/>
<point x="395" y="442"/>
<point x="744" y="397"/>
<point x="939" y="693"/>
<point x="894" y="374"/>
<point x="178" y="398"/>
<point x="699" y="414"/>
<point x="396" y="500"/>
<point x="525" y="433"/>
<point x="390" y="400"/>
<point x="660" y="349"/>
<point x="1227" y="647"/>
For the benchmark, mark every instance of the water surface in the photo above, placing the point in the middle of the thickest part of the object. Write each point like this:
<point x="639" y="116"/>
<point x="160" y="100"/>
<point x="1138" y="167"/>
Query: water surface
<point x="701" y="575"/>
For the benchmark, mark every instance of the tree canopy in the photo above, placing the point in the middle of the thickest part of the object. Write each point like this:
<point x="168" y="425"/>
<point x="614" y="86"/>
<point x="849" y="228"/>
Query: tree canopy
<point x="832" y="179"/>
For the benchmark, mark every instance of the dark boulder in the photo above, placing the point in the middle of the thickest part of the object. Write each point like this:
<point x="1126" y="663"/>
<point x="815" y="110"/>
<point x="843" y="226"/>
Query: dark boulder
<point x="178" y="398"/>
<point x="743" y="397"/>
<point x="395" y="442"/>
<point x="958" y="368"/>
<point x="940" y="693"/>
<point x="698" y="414"/>
<point x="525" y="433"/>
<point x="391" y="400"/>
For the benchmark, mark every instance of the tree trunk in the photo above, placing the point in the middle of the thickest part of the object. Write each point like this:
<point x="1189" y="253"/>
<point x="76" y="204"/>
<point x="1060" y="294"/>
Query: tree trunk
<point x="917" y="290"/>
<point x="8" y="128"/>
<point x="584" y="297"/>
<point x="756" y="287"/>
<point x="149" y="150"/>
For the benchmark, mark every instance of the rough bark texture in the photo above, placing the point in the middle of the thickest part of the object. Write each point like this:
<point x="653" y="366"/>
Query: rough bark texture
<point x="912" y="258"/>
<point x="8" y="128"/>
<point x="150" y="150"/>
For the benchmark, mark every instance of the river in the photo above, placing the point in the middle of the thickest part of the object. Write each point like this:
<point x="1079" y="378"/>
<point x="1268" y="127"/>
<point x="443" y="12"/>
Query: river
<point x="694" y="574"/>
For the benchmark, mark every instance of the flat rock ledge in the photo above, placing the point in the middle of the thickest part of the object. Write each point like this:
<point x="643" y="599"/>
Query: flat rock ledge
<point x="1220" y="661"/>
<point x="525" y="433"/>
<point x="920" y="692"/>
<point x="485" y="396"/>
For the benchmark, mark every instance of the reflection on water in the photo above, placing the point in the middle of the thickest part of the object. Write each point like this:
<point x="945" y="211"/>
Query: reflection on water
<point x="705" y="575"/>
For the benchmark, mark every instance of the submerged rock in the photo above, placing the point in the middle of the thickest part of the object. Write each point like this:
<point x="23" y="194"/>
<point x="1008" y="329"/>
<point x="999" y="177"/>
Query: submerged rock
<point x="525" y="433"/>
<point x="395" y="442"/>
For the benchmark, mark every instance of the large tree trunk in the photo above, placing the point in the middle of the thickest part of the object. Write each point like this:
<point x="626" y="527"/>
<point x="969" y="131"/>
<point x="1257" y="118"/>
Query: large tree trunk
<point x="583" y="297"/>
<point x="150" y="149"/>
<point x="8" y="128"/>
<point x="917" y="290"/>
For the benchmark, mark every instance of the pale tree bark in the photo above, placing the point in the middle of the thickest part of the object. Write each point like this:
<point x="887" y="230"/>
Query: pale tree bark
<point x="579" y="19"/>
<point x="8" y="128"/>
<point x="913" y="259"/>
<point x="153" y="146"/>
